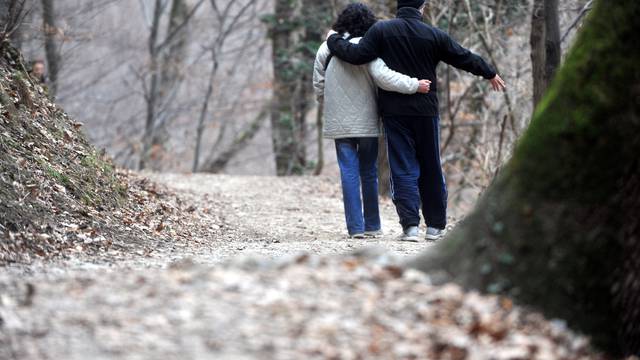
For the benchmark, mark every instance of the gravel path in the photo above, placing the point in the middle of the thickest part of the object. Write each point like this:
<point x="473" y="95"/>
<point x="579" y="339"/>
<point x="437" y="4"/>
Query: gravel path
<point x="268" y="285"/>
<point x="242" y="216"/>
<point x="281" y="216"/>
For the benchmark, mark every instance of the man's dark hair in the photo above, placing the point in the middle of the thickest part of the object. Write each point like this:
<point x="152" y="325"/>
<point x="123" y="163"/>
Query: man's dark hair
<point x="355" y="19"/>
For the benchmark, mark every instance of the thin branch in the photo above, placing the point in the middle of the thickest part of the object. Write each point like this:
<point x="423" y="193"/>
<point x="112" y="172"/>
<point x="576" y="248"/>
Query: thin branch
<point x="167" y="41"/>
<point x="585" y="9"/>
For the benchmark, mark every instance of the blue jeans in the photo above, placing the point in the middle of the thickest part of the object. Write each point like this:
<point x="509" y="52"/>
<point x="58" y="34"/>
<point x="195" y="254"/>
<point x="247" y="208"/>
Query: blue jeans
<point x="357" y="158"/>
<point x="416" y="172"/>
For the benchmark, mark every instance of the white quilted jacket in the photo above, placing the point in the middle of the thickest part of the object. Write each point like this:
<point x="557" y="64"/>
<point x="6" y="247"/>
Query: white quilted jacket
<point x="350" y="94"/>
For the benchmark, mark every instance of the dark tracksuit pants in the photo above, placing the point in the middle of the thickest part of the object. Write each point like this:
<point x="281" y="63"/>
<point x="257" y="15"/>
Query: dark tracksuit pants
<point x="413" y="143"/>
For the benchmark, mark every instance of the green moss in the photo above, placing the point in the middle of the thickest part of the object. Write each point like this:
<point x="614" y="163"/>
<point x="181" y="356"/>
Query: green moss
<point x="89" y="161"/>
<point x="9" y="141"/>
<point x="57" y="133"/>
<point x="87" y="200"/>
<point x="121" y="190"/>
<point x="94" y="162"/>
<point x="58" y="176"/>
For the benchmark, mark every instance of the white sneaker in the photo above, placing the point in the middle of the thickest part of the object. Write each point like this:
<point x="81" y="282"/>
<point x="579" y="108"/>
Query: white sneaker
<point x="357" y="236"/>
<point x="410" y="234"/>
<point x="434" y="234"/>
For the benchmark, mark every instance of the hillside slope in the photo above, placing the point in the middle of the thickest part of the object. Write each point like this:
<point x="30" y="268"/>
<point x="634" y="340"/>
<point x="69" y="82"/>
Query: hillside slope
<point x="59" y="195"/>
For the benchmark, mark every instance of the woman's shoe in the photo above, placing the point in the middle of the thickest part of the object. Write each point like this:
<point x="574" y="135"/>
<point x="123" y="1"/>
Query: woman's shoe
<point x="374" y="234"/>
<point x="357" y="236"/>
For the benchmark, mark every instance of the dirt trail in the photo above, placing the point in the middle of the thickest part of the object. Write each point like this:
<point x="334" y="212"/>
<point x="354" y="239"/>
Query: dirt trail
<point x="206" y="299"/>
<point x="281" y="216"/>
<point x="264" y="217"/>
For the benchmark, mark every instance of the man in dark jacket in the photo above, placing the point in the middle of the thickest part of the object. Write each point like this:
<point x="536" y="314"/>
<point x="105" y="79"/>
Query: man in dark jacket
<point x="411" y="122"/>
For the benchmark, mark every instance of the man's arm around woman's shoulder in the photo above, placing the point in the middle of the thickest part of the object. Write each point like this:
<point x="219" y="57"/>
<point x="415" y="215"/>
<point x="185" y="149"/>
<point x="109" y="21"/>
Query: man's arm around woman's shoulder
<point x="357" y="54"/>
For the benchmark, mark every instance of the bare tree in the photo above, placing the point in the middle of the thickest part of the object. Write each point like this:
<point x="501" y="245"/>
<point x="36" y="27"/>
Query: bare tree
<point x="227" y="22"/>
<point x="52" y="48"/>
<point x="12" y="14"/>
<point x="156" y="103"/>
<point x="171" y="75"/>
<point x="545" y="45"/>
<point x="219" y="163"/>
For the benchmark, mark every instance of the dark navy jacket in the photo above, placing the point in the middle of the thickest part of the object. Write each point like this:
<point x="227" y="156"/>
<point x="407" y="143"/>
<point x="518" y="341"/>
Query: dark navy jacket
<point x="411" y="47"/>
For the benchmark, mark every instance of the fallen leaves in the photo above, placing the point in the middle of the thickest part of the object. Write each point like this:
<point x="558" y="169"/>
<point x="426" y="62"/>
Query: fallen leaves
<point x="307" y="307"/>
<point x="61" y="195"/>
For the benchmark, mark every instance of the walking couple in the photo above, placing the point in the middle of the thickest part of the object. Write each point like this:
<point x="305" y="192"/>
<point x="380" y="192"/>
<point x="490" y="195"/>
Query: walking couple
<point x="369" y="70"/>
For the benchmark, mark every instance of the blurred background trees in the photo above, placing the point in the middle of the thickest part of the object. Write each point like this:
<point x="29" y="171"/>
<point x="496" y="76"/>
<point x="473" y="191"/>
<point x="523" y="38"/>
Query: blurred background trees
<point x="188" y="85"/>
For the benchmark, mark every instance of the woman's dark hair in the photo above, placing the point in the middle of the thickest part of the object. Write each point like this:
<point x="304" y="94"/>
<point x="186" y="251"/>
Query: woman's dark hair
<point x="355" y="19"/>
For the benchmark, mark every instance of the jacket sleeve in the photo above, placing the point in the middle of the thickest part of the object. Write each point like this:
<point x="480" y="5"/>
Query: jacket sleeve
<point x="356" y="54"/>
<point x="319" y="72"/>
<point x="456" y="55"/>
<point x="391" y="80"/>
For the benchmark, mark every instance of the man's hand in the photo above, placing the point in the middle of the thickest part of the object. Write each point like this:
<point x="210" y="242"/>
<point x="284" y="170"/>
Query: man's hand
<point x="498" y="84"/>
<point x="424" y="87"/>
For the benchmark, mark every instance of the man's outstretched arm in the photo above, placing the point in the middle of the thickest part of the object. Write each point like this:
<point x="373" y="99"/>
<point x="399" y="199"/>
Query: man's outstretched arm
<point x="356" y="54"/>
<point x="456" y="55"/>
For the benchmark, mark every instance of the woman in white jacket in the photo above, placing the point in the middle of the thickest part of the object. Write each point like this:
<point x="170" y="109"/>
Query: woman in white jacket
<point x="349" y="95"/>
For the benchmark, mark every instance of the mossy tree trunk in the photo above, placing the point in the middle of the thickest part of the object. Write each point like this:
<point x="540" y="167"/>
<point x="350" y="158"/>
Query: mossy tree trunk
<point x="559" y="229"/>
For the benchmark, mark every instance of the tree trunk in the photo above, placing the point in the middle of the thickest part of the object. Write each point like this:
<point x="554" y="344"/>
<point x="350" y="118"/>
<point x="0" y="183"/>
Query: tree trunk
<point x="4" y="11"/>
<point x="384" y="172"/>
<point x="319" y="141"/>
<point x="384" y="9"/>
<point x="296" y="32"/>
<point x="151" y="97"/>
<point x="219" y="163"/>
<point x="170" y="76"/>
<point x="282" y="117"/>
<point x="54" y="60"/>
<point x="559" y="229"/>
<point x="545" y="45"/>
<point x="538" y="51"/>
<point x="553" y="52"/>
<point x="173" y="59"/>
<point x="204" y="112"/>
